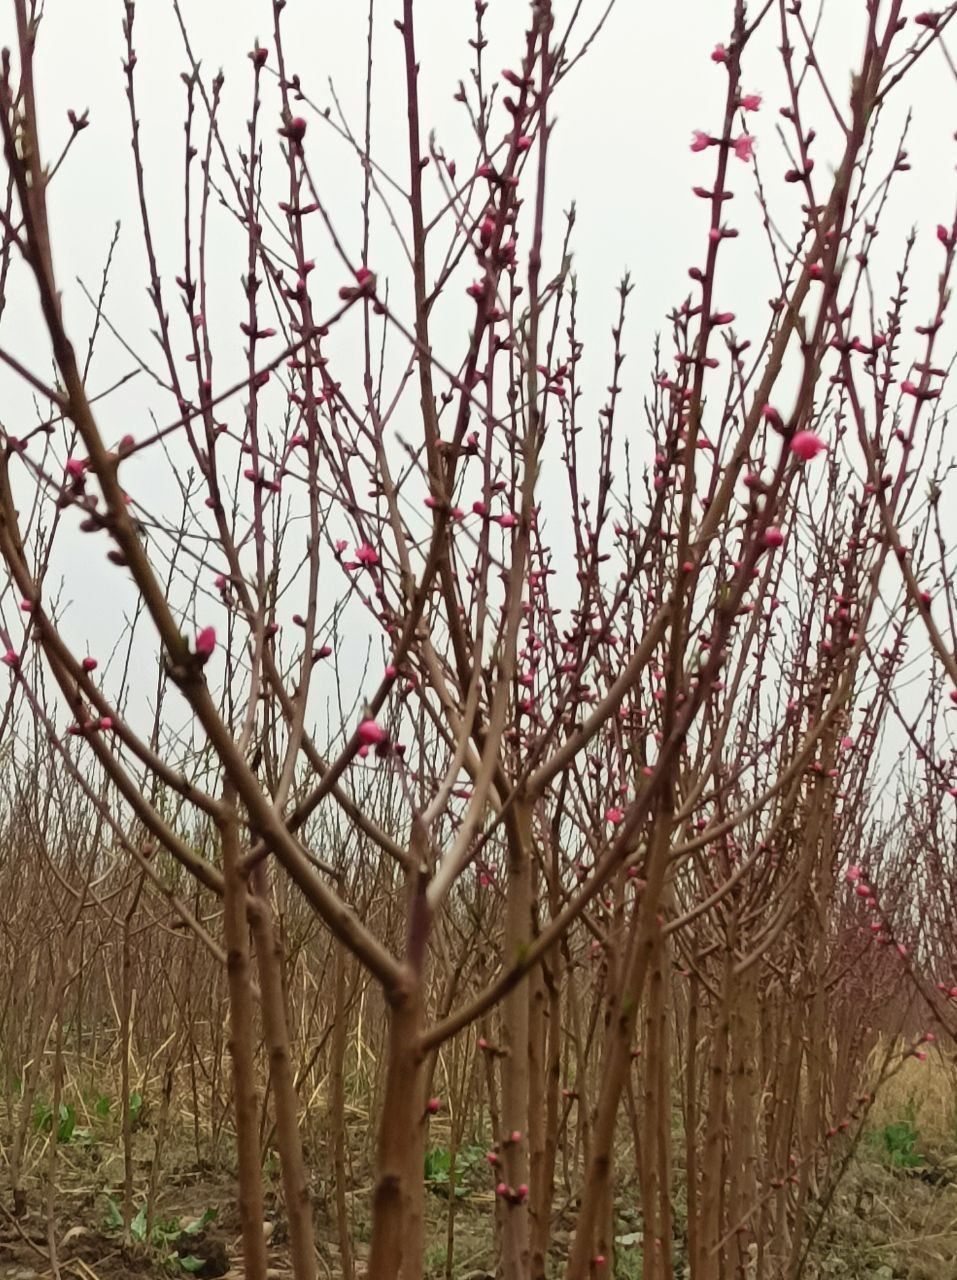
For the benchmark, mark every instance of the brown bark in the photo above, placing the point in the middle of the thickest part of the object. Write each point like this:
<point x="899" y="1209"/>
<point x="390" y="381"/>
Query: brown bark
<point x="242" y="1041"/>
<point x="282" y="1077"/>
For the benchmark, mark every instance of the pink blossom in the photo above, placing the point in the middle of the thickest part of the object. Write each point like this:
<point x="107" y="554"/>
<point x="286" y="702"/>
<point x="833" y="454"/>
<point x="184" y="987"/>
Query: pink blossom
<point x="366" y="554"/>
<point x="806" y="445"/>
<point x="370" y="733"/>
<point x="11" y="659"/>
<point x="205" y="642"/>
<point x="773" y="537"/>
<point x="751" y="102"/>
<point x="719" y="53"/>
<point x="613" y="815"/>
<point x="853" y="873"/>
<point x="928" y="19"/>
<point x="744" y="147"/>
<point x="507" y="521"/>
<point x="701" y="141"/>
<point x="76" y="467"/>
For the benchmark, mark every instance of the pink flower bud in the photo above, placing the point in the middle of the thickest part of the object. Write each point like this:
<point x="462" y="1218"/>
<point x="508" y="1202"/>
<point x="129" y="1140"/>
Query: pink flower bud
<point x="701" y="141"/>
<point x="295" y="130"/>
<point x="370" y="733"/>
<point x="750" y="102"/>
<point x="205" y="642"/>
<point x="718" y="54"/>
<point x="773" y="537"/>
<point x="89" y="664"/>
<point x="432" y="1106"/>
<point x="11" y="659"/>
<point x="806" y="445"/>
<point x="613" y="815"/>
<point x="367" y="555"/>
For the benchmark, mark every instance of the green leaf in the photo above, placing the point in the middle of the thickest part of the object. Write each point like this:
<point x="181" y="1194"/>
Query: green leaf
<point x="136" y="1106"/>
<point x="194" y="1228"/>
<point x="189" y="1263"/>
<point x="102" y="1106"/>
<point x="64" y="1131"/>
<point x="138" y="1225"/>
<point x="114" y="1219"/>
<point x="438" y="1162"/>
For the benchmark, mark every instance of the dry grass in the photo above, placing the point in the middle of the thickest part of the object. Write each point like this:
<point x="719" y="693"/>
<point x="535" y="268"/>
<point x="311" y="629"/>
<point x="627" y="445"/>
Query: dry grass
<point x="925" y="1093"/>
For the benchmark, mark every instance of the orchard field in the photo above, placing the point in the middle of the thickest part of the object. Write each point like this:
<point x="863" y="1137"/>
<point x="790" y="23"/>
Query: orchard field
<point x="479" y="640"/>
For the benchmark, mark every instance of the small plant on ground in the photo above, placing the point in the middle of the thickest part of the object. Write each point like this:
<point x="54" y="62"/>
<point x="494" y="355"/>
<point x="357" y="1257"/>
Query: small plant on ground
<point x="165" y="1237"/>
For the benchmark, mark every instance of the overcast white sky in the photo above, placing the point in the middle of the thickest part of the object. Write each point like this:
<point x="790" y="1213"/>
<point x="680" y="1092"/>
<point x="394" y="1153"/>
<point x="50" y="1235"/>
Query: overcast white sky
<point x="621" y="150"/>
<point x="621" y="147"/>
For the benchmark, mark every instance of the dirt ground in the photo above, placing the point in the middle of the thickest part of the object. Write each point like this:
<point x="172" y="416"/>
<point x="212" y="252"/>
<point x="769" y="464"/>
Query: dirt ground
<point x="885" y="1223"/>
